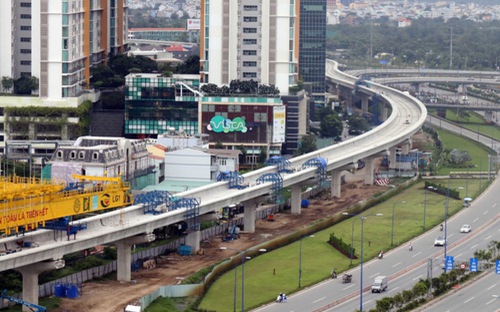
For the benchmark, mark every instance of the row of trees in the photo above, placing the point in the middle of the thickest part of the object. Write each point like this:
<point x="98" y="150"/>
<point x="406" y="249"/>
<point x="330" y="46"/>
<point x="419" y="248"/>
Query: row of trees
<point x="239" y="87"/>
<point x="426" y="43"/>
<point x="22" y="86"/>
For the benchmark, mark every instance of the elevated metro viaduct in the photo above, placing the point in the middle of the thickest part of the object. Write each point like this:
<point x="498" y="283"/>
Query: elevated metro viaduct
<point x="129" y="225"/>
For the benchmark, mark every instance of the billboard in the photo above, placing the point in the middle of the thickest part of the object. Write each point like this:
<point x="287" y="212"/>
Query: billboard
<point x="193" y="24"/>
<point x="279" y="124"/>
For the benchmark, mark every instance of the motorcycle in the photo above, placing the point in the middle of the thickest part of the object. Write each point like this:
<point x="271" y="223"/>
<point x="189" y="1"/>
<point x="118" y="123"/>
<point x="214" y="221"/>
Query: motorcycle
<point x="381" y="255"/>
<point x="411" y="247"/>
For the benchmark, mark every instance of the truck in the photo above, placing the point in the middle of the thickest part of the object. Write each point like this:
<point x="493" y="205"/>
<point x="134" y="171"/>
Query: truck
<point x="380" y="284"/>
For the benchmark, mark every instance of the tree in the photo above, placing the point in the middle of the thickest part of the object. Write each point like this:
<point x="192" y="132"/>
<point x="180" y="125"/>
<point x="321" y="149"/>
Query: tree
<point x="26" y="85"/>
<point x="7" y="83"/>
<point x="331" y="126"/>
<point x="307" y="144"/>
<point x="358" y="123"/>
<point x="458" y="157"/>
<point x="190" y="66"/>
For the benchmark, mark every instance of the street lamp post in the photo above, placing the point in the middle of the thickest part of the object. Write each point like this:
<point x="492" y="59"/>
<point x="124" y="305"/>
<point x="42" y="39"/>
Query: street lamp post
<point x="300" y="259"/>
<point x="392" y="227"/>
<point x="425" y="204"/>
<point x="242" y="254"/>
<point x="361" y="218"/>
<point x="352" y="241"/>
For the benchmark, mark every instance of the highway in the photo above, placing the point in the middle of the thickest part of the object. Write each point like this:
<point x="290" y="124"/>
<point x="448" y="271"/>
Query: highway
<point x="132" y="221"/>
<point x="483" y="295"/>
<point x="404" y="268"/>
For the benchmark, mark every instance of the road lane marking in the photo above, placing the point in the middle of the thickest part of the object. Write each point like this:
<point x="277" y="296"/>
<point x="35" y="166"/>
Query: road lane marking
<point x="372" y="276"/>
<point x="318" y="300"/>
<point x="474" y="246"/>
<point x="475" y="220"/>
<point x="416" y="278"/>
<point x="458" y="256"/>
<point x="417" y="254"/>
<point x="367" y="302"/>
<point x="492" y="300"/>
<point x="494" y="205"/>
<point x="468" y="300"/>
<point x="396" y="264"/>
<point x="348" y="287"/>
<point x="491" y="287"/>
<point x="393" y="289"/>
<point x="485" y="212"/>
<point x="450" y="235"/>
<point x="488" y="237"/>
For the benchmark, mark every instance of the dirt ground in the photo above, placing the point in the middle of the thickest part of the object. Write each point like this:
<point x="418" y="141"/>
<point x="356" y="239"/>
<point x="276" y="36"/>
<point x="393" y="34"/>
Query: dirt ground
<point x="113" y="296"/>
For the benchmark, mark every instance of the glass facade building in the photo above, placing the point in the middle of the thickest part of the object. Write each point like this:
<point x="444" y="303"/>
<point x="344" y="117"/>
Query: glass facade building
<point x="312" y="50"/>
<point x="156" y="104"/>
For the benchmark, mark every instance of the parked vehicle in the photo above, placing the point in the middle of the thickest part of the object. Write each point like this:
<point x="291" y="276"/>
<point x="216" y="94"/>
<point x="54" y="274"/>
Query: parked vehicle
<point x="380" y="284"/>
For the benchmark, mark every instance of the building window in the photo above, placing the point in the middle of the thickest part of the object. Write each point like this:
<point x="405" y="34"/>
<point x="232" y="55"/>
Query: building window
<point x="250" y="8"/>
<point x="25" y="5"/>
<point x="249" y="41"/>
<point x="72" y="155"/>
<point x="250" y="64"/>
<point x="25" y="51"/>
<point x="59" y="154"/>
<point x="25" y="39"/>
<point x="250" y="18"/>
<point x="25" y="27"/>
<point x="223" y="162"/>
<point x="95" y="155"/>
<point x="249" y="52"/>
<point x="249" y="75"/>
<point x="25" y="62"/>
<point x="81" y="155"/>
<point x="25" y="16"/>
<point x="249" y="30"/>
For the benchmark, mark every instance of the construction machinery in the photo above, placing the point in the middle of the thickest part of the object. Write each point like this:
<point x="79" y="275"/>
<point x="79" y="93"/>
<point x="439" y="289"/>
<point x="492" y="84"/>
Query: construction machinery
<point x="31" y="306"/>
<point x="28" y="203"/>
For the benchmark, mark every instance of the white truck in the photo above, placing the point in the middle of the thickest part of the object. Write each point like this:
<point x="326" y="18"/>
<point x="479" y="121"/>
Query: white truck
<point x="380" y="284"/>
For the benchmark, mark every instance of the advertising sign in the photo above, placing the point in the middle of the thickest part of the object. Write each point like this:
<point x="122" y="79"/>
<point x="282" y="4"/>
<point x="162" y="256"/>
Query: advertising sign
<point x="193" y="24"/>
<point x="279" y="124"/>
<point x="497" y="267"/>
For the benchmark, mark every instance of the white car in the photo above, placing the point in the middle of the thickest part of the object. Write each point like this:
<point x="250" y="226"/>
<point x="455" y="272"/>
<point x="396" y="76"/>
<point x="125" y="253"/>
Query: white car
<point x="440" y="241"/>
<point x="466" y="228"/>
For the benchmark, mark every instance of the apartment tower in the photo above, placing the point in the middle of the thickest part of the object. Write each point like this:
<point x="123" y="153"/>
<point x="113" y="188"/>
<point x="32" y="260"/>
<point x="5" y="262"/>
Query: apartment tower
<point x="58" y="41"/>
<point x="274" y="42"/>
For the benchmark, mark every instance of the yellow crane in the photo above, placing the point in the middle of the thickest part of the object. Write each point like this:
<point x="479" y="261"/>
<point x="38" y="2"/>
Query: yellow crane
<point x="28" y="203"/>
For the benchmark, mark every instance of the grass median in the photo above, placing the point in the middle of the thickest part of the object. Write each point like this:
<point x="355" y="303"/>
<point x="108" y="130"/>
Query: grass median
<point x="278" y="271"/>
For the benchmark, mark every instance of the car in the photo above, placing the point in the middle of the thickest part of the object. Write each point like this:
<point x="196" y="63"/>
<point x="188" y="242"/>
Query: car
<point x="439" y="241"/>
<point x="466" y="228"/>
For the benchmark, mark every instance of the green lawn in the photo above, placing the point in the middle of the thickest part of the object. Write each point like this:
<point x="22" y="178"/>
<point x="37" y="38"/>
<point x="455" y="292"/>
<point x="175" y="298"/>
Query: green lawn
<point x="477" y="152"/>
<point x="277" y="271"/>
<point x="474" y="123"/>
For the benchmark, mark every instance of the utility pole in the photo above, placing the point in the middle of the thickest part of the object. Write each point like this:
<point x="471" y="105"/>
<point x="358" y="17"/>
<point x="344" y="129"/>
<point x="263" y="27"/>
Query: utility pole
<point x="451" y="47"/>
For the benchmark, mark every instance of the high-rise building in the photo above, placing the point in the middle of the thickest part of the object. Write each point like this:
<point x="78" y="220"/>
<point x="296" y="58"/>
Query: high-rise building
<point x="312" y="49"/>
<point x="250" y="40"/>
<point x="57" y="41"/>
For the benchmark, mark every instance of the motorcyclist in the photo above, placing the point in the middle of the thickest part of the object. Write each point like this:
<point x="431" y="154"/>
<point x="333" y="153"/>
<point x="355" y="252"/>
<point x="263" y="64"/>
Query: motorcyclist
<point x="381" y="254"/>
<point x="441" y="227"/>
<point x="334" y="274"/>
<point x="411" y="246"/>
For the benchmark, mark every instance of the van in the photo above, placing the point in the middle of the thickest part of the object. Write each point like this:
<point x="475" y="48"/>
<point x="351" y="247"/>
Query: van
<point x="380" y="284"/>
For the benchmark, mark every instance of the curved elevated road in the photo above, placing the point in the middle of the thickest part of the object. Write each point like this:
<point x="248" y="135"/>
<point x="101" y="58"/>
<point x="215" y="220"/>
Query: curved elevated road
<point x="131" y="221"/>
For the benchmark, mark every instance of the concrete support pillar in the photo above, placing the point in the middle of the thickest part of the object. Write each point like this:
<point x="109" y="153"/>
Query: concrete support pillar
<point x="392" y="157"/>
<point x="30" y="279"/>
<point x="296" y="198"/>
<point x="249" y="218"/>
<point x="416" y="85"/>
<point x="488" y="115"/>
<point x="364" y="103"/>
<point x="369" y="170"/>
<point x="193" y="239"/>
<point x="124" y="255"/>
<point x="335" y="183"/>
<point x="405" y="148"/>
<point x="383" y="112"/>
